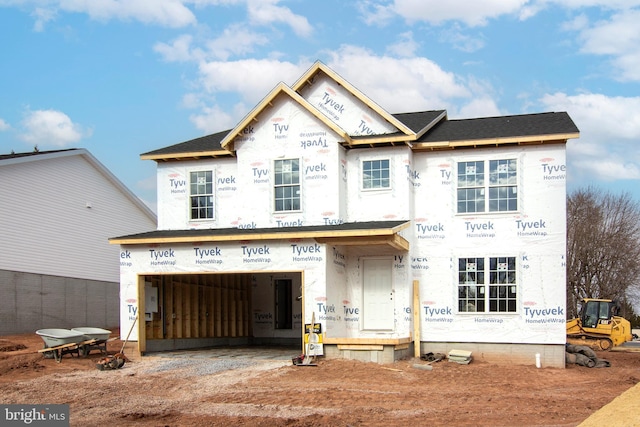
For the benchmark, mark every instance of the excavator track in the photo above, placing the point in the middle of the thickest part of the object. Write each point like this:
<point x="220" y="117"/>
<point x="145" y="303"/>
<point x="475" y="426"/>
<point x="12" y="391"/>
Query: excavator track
<point x="594" y="342"/>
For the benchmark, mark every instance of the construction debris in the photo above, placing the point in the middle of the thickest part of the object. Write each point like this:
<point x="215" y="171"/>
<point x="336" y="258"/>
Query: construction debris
<point x="584" y="356"/>
<point x="460" y="356"/>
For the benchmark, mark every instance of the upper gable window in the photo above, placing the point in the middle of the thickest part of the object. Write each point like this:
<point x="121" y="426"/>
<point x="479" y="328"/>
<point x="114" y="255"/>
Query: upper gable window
<point x="375" y="174"/>
<point x="201" y="194"/>
<point x="500" y="187"/>
<point x="287" y="188"/>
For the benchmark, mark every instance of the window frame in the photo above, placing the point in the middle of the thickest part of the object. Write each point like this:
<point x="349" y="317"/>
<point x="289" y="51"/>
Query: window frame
<point x="211" y="195"/>
<point x="381" y="178"/>
<point x="489" y="282"/>
<point x="292" y="185"/>
<point x="491" y="190"/>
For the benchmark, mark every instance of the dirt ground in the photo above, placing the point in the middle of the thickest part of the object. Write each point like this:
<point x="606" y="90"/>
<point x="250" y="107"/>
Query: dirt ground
<point x="334" y="393"/>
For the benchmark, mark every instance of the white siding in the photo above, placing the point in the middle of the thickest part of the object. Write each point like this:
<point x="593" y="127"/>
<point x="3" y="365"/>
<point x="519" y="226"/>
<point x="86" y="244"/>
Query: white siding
<point x="47" y="226"/>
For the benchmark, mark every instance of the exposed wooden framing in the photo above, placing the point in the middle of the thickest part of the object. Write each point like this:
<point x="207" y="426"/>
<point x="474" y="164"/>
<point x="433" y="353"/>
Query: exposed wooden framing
<point x="177" y="309"/>
<point x="322" y="235"/>
<point x="524" y="140"/>
<point x="210" y="309"/>
<point x="218" y="306"/>
<point x="395" y="241"/>
<point x="416" y="318"/>
<point x="168" y="308"/>
<point x="320" y="67"/>
<point x="199" y="306"/>
<point x="232" y="307"/>
<point x="186" y="155"/>
<point x="281" y="88"/>
<point x="140" y="326"/>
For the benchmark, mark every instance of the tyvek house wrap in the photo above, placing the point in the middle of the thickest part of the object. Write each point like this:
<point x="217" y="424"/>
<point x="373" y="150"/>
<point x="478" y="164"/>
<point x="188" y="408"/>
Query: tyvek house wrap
<point x="423" y="189"/>
<point x="535" y="235"/>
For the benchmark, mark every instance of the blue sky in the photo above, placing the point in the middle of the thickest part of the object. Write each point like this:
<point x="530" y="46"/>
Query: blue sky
<point x="123" y="77"/>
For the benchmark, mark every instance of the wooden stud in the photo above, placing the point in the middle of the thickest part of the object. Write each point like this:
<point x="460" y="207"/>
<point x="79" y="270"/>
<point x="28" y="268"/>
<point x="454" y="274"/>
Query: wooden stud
<point x="416" y="318"/>
<point x="169" y="307"/>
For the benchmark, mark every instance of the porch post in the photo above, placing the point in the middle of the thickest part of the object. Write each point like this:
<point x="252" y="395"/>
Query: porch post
<point x="416" y="318"/>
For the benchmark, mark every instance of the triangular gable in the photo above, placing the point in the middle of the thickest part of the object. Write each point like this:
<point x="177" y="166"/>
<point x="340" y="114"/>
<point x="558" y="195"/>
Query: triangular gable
<point x="281" y="88"/>
<point x="403" y="133"/>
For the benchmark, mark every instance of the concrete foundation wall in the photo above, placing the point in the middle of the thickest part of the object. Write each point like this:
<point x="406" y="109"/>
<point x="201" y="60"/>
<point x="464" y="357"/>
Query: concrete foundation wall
<point x="551" y="355"/>
<point x="29" y="302"/>
<point x="388" y="353"/>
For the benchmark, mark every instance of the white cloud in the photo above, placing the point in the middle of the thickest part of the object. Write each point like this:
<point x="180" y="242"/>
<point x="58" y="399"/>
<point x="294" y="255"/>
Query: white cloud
<point x="42" y="16"/>
<point x="609" y="131"/>
<point x="601" y="117"/>
<point x="472" y="13"/>
<point x="617" y="37"/>
<point x="169" y="13"/>
<point x="50" y="128"/>
<point x="251" y="79"/>
<point x="399" y="85"/>
<point x="375" y="14"/>
<point x="263" y="12"/>
<point x="4" y="125"/>
<point x="179" y="50"/>
<point x="236" y="39"/>
<point x="215" y="119"/>
<point x="405" y="47"/>
<point x="396" y="84"/>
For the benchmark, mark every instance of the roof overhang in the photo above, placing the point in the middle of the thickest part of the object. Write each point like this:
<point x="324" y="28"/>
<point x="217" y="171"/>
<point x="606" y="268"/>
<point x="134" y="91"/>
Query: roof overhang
<point x="187" y="155"/>
<point x="524" y="140"/>
<point x="376" y="233"/>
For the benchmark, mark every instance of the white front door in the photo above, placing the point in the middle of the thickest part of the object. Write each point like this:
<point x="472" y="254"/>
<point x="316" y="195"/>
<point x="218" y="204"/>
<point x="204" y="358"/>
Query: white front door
<point x="377" y="294"/>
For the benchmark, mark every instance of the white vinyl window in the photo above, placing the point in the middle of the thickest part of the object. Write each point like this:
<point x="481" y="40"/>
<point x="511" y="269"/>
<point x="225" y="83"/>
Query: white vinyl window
<point x="375" y="174"/>
<point x="287" y="190"/>
<point x="487" y="186"/>
<point x="500" y="278"/>
<point x="201" y="194"/>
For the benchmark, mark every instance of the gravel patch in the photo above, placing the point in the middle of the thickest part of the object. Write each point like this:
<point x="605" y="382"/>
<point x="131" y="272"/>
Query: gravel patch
<point x="200" y="367"/>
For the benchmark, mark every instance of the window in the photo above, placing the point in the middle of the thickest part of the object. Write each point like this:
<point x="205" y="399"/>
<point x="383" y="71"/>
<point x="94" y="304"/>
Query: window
<point x="375" y="174"/>
<point x="472" y="283"/>
<point x="287" y="185"/>
<point x="201" y="194"/>
<point x="501" y="186"/>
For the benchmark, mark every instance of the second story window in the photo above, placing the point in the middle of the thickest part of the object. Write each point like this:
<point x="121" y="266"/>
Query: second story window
<point x="501" y="187"/>
<point x="287" y="189"/>
<point x="375" y="174"/>
<point x="201" y="194"/>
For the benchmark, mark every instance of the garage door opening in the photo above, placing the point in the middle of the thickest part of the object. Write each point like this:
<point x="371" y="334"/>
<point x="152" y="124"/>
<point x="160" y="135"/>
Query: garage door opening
<point x="188" y="311"/>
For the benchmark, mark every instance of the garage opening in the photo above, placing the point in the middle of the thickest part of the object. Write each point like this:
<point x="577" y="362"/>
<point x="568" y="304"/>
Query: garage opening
<point x="188" y="311"/>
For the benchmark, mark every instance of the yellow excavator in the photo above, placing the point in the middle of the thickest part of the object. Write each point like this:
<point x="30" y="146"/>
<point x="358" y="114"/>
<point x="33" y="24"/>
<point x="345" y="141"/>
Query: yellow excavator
<point x="599" y="325"/>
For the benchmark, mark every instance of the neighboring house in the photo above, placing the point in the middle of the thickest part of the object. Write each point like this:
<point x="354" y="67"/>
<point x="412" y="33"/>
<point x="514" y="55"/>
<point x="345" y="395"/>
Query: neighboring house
<point x="399" y="234"/>
<point x="57" y="212"/>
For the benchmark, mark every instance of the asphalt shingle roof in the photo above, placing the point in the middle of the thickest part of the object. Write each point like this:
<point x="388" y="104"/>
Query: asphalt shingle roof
<point x="417" y="121"/>
<point x="199" y="233"/>
<point x="201" y="144"/>
<point x="444" y="130"/>
<point x="501" y="127"/>
<point x="31" y="153"/>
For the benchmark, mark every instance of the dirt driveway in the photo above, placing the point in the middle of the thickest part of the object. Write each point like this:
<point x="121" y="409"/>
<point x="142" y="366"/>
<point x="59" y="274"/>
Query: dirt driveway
<point x="204" y="391"/>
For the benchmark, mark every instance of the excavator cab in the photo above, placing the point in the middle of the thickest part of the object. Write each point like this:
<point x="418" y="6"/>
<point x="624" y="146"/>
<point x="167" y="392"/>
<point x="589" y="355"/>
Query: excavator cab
<point x="598" y="312"/>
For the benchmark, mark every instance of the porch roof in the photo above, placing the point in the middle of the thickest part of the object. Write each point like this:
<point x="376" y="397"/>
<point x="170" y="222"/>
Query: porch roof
<point x="372" y="233"/>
